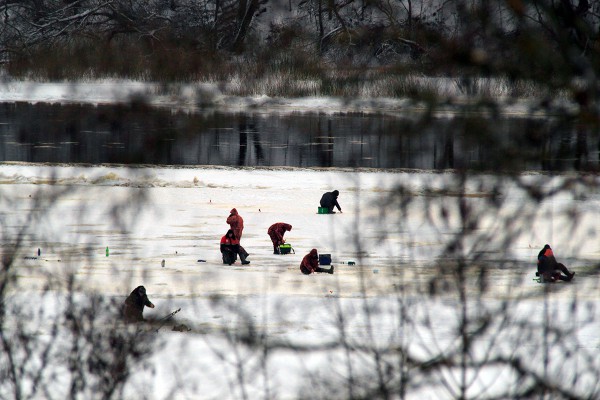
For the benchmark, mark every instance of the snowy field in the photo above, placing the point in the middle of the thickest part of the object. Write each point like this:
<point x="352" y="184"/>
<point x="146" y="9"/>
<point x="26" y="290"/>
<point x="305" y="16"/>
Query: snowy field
<point x="178" y="215"/>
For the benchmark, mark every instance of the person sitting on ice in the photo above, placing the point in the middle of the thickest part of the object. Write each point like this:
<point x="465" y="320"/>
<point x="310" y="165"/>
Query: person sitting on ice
<point x="133" y="308"/>
<point x="329" y="200"/>
<point x="230" y="248"/>
<point x="310" y="264"/>
<point x="549" y="270"/>
<point x="276" y="232"/>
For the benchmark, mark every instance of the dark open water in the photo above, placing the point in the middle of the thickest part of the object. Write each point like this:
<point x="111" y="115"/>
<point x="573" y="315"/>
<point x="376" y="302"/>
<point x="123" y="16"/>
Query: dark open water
<point x="51" y="133"/>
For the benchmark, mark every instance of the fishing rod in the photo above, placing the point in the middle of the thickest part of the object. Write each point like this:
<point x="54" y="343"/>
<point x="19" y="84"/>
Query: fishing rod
<point x="165" y="319"/>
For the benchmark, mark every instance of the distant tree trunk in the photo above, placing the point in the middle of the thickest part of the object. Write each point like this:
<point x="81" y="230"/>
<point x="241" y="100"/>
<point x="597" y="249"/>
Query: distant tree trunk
<point x="409" y="19"/>
<point x="217" y="8"/>
<point x="246" y="13"/>
<point x="320" y="20"/>
<point x="242" y="7"/>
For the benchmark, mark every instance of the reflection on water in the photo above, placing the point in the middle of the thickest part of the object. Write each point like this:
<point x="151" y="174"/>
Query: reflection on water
<point x="137" y="134"/>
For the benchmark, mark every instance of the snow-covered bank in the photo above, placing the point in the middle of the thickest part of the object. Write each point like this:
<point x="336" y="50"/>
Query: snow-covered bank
<point x="209" y="96"/>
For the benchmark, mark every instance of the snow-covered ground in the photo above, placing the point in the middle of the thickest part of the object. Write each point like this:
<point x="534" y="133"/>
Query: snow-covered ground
<point x="187" y="96"/>
<point x="209" y="95"/>
<point x="178" y="215"/>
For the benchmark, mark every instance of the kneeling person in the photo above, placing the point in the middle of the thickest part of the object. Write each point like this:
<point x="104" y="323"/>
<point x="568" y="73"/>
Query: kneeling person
<point x="230" y="248"/>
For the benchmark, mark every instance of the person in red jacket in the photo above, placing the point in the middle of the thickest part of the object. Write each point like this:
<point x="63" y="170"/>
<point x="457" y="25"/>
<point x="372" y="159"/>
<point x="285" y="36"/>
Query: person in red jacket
<point x="310" y="264"/>
<point x="236" y="223"/>
<point x="549" y="269"/>
<point x="276" y="232"/>
<point x="230" y="248"/>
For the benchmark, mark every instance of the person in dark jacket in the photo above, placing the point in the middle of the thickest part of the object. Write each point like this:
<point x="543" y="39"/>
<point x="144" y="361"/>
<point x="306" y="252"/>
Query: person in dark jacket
<point x="236" y="223"/>
<point x="133" y="308"/>
<point x="276" y="232"/>
<point x="329" y="200"/>
<point x="549" y="269"/>
<point x="310" y="264"/>
<point x="230" y="249"/>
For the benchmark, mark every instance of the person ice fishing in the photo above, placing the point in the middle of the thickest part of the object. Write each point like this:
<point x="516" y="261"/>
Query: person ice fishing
<point x="133" y="307"/>
<point x="329" y="200"/>
<point x="236" y="223"/>
<point x="549" y="270"/>
<point x="310" y="264"/>
<point x="276" y="232"/>
<point x="230" y="249"/>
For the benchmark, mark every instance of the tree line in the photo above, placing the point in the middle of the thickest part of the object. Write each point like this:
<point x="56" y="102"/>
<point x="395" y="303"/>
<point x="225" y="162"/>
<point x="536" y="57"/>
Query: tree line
<point x="548" y="41"/>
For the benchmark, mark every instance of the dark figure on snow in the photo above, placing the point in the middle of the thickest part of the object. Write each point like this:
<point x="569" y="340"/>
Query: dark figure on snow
<point x="276" y="232"/>
<point x="230" y="248"/>
<point x="236" y="223"/>
<point x="329" y="200"/>
<point x="549" y="270"/>
<point x="310" y="264"/>
<point x="133" y="308"/>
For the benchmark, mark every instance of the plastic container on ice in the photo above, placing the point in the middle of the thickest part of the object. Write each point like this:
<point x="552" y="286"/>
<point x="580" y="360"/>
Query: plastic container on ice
<point x="324" y="259"/>
<point x="286" y="248"/>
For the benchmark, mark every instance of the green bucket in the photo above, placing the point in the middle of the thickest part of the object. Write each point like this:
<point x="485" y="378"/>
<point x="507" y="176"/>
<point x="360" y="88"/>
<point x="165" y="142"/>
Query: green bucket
<point x="286" y="249"/>
<point x="323" y="210"/>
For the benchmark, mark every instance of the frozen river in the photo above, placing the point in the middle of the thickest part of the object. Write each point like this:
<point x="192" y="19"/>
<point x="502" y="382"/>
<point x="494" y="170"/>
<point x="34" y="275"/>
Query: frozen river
<point x="399" y="228"/>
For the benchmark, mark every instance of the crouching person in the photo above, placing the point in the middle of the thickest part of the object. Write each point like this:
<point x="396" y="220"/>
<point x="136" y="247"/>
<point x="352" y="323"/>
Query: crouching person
<point x="133" y="308"/>
<point x="549" y="269"/>
<point x="310" y="264"/>
<point x="230" y="248"/>
<point x="276" y="232"/>
<point x="329" y="200"/>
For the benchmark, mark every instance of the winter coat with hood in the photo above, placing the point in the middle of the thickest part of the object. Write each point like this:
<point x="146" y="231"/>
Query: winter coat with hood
<point x="236" y="222"/>
<point x="310" y="261"/>
<point x="329" y="200"/>
<point x="133" y="308"/>
<point x="230" y="243"/>
<point x="277" y="230"/>
<point x="546" y="260"/>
